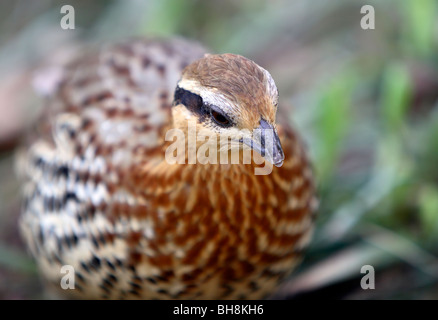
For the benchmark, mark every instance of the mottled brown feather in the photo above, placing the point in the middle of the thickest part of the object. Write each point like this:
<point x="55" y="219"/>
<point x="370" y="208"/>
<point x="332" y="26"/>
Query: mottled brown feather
<point x="100" y="197"/>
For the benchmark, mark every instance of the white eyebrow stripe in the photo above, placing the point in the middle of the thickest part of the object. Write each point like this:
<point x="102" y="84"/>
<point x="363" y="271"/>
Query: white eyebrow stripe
<point x="210" y="97"/>
<point x="219" y="100"/>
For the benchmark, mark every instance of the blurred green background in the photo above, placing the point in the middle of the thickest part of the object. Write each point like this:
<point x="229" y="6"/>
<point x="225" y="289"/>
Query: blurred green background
<point x="364" y="100"/>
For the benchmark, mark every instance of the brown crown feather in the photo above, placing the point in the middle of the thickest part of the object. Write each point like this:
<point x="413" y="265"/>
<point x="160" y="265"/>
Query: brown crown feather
<point x="241" y="80"/>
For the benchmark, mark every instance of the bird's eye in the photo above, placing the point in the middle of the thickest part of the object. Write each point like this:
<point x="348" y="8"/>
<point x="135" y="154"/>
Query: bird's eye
<point x="220" y="118"/>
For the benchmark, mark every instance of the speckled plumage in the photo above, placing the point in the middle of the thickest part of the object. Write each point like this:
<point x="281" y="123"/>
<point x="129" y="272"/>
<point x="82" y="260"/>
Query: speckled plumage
<point x="99" y="195"/>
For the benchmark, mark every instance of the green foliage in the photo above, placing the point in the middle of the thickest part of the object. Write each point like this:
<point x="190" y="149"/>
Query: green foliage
<point x="420" y="20"/>
<point x="428" y="205"/>
<point x="333" y="122"/>
<point x="396" y="94"/>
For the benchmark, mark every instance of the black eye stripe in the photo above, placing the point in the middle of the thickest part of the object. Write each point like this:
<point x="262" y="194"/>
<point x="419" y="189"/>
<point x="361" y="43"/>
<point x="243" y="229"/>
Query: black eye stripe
<point x="191" y="101"/>
<point x="187" y="98"/>
<point x="194" y="103"/>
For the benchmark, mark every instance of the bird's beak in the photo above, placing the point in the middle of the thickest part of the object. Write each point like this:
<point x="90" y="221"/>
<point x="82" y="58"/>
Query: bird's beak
<point x="265" y="141"/>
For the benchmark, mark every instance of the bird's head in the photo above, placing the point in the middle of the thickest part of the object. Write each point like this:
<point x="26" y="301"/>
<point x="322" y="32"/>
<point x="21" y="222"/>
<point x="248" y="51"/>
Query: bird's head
<point x="230" y="95"/>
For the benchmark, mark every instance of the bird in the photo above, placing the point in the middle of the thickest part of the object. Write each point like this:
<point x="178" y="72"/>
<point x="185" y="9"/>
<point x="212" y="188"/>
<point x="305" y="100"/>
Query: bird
<point x="104" y="193"/>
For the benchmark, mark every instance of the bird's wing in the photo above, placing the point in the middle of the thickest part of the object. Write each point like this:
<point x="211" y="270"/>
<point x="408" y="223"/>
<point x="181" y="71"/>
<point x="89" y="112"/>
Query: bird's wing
<point x="108" y="111"/>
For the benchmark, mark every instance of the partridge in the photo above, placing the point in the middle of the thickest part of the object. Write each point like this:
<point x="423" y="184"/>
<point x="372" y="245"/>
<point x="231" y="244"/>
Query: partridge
<point x="110" y="193"/>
